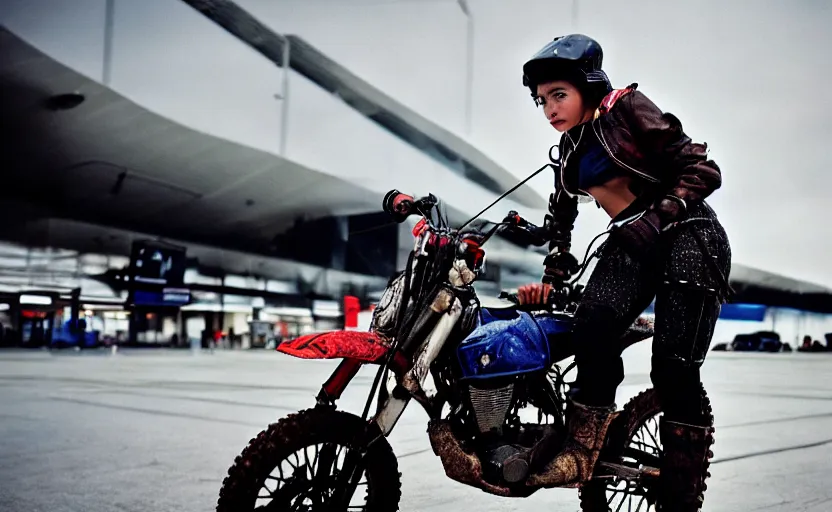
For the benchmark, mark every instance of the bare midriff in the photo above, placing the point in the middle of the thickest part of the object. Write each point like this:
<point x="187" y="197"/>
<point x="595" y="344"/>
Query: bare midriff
<point x="613" y="196"/>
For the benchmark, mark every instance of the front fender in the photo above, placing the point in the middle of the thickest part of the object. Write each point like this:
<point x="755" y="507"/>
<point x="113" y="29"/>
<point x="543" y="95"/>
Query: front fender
<point x="363" y="346"/>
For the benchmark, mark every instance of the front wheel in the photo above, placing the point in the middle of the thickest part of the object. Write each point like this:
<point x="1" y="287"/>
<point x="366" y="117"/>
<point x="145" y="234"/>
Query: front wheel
<point x="639" y="444"/>
<point x="298" y="464"/>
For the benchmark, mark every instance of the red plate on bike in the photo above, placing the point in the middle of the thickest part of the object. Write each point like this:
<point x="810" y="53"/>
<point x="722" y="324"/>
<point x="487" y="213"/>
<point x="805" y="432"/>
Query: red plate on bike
<point x="365" y="346"/>
<point x="420" y="227"/>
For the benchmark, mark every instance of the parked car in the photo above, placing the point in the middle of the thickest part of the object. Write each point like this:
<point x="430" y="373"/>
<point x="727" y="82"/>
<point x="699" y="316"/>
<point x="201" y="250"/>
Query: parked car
<point x="760" y="341"/>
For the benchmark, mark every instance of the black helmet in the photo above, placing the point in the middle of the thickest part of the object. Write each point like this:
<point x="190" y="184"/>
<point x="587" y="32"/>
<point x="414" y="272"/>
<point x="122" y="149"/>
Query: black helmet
<point x="576" y="57"/>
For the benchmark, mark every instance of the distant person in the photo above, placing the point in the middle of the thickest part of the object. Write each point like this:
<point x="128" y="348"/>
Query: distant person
<point x="807" y="344"/>
<point x="621" y="151"/>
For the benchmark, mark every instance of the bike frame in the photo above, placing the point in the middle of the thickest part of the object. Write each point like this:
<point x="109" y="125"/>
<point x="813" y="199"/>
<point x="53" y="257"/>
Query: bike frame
<point x="405" y="364"/>
<point x="413" y="380"/>
<point x="409" y="358"/>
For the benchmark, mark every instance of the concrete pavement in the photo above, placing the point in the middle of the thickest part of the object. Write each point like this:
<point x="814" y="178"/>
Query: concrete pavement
<point x="156" y="430"/>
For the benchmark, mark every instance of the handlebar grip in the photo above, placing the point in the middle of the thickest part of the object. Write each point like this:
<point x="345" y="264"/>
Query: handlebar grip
<point x="547" y="279"/>
<point x="536" y="235"/>
<point x="519" y="221"/>
<point x="398" y="205"/>
<point x="511" y="297"/>
<point x="556" y="296"/>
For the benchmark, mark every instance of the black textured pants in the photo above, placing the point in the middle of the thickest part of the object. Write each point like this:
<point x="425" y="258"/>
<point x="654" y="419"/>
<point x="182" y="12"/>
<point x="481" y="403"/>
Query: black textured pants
<point x="683" y="284"/>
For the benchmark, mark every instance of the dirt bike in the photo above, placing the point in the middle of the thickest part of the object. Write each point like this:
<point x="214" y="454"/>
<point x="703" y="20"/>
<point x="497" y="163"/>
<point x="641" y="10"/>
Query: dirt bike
<point x="493" y="382"/>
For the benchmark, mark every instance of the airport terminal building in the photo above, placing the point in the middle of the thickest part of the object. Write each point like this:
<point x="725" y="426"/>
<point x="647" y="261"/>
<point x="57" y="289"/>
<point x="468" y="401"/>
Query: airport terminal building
<point x="237" y="197"/>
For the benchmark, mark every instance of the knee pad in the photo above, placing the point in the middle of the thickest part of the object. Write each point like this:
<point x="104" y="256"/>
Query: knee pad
<point x="686" y="314"/>
<point x="673" y="372"/>
<point x="679" y="387"/>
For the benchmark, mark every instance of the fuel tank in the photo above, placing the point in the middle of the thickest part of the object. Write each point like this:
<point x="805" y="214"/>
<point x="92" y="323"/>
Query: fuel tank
<point x="510" y="342"/>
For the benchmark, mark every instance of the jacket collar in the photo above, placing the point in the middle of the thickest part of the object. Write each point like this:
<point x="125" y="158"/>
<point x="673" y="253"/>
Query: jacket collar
<point x="611" y="98"/>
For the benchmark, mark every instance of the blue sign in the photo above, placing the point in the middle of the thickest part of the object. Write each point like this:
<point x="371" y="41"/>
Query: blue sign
<point x="747" y="312"/>
<point x="165" y="297"/>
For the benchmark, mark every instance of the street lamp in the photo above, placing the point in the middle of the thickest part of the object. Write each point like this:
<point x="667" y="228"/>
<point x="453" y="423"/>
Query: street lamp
<point x="283" y="96"/>
<point x="107" y="61"/>
<point x="469" y="73"/>
<point x="574" y="15"/>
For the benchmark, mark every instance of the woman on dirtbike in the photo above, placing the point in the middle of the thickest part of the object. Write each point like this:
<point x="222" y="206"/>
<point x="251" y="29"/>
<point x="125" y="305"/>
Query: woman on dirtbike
<point x="620" y="150"/>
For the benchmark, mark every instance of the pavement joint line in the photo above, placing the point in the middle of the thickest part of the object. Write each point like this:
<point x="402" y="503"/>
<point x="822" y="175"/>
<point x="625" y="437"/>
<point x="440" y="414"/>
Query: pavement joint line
<point x="778" y="395"/>
<point x="776" y="420"/>
<point x="195" y="399"/>
<point x="173" y="384"/>
<point x="156" y="412"/>
<point x="771" y="452"/>
<point x="417" y="452"/>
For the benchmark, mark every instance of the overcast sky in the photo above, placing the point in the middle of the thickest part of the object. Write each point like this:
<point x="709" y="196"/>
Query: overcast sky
<point x="749" y="77"/>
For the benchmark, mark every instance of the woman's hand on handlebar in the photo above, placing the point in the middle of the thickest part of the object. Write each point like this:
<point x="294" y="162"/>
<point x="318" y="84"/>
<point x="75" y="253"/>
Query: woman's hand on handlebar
<point x="535" y="293"/>
<point x="560" y="297"/>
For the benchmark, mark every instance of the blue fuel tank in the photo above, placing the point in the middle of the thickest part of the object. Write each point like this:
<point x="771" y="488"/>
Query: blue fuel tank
<point x="509" y="342"/>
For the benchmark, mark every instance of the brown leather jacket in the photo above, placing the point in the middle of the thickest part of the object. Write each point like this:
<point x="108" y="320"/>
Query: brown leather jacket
<point x="648" y="143"/>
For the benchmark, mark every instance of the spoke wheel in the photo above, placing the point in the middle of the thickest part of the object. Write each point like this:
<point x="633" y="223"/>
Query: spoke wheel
<point x="306" y="462"/>
<point x="307" y="480"/>
<point x="636" y="434"/>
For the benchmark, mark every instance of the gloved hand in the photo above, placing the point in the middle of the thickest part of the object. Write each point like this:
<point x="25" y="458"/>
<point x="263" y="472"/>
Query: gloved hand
<point x="535" y="293"/>
<point x="639" y="238"/>
<point x="560" y="266"/>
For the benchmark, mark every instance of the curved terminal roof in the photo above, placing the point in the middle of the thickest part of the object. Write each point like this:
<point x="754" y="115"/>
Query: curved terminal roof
<point x="114" y="163"/>
<point x="450" y="150"/>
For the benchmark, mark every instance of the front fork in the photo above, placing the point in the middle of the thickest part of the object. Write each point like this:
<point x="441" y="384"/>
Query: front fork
<point x="406" y="380"/>
<point x="402" y="383"/>
<point x="399" y="391"/>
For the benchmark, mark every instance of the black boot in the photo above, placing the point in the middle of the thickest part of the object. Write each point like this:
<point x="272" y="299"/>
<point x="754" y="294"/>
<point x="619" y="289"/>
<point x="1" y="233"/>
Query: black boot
<point x="685" y="461"/>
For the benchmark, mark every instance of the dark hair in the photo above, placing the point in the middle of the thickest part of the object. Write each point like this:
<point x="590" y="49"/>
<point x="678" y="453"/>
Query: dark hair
<point x="592" y="93"/>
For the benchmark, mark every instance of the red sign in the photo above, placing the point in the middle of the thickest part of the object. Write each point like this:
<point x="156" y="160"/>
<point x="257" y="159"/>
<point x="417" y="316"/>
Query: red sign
<point x="351" y="308"/>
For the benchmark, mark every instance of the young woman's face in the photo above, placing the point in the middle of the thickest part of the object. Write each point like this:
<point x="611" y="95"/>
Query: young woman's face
<point x="562" y="104"/>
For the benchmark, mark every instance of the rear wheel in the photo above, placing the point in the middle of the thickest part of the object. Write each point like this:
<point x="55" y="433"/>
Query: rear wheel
<point x="301" y="464"/>
<point x="637" y="429"/>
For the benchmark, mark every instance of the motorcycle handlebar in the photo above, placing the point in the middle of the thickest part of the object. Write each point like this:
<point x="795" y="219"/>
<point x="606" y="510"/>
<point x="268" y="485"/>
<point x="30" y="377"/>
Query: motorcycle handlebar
<point x="400" y="206"/>
<point x="560" y="298"/>
<point x="535" y="235"/>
